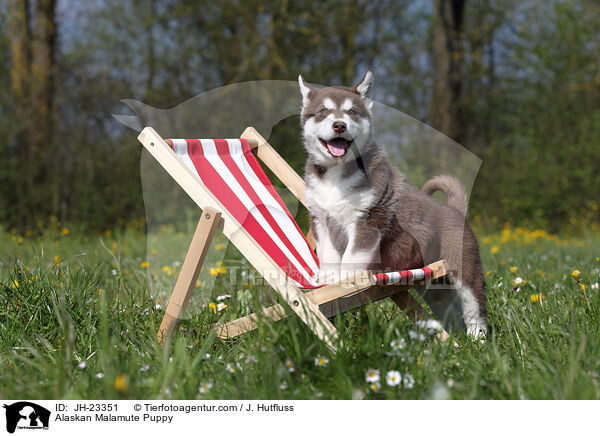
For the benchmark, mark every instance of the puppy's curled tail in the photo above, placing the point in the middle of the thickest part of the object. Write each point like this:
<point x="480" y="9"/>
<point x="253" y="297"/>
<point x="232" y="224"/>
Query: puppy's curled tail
<point x="452" y="188"/>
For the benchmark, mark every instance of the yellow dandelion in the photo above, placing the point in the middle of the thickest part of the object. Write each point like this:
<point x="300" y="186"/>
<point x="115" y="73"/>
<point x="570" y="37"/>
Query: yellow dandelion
<point x="198" y="283"/>
<point x="534" y="298"/>
<point x="56" y="260"/>
<point x="598" y="259"/>
<point x="488" y="274"/>
<point x="65" y="231"/>
<point x="219" y="270"/>
<point x="15" y="284"/>
<point x="145" y="264"/>
<point x="167" y="270"/>
<point x="514" y="269"/>
<point x="576" y="274"/>
<point x="19" y="240"/>
<point x="494" y="249"/>
<point x="154" y="252"/>
<point x="121" y="384"/>
<point x="212" y="306"/>
<point x="582" y="287"/>
<point x="107" y="232"/>
<point x="220" y="246"/>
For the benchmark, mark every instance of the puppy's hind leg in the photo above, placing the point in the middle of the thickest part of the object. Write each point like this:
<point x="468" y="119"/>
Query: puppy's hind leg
<point x="475" y="321"/>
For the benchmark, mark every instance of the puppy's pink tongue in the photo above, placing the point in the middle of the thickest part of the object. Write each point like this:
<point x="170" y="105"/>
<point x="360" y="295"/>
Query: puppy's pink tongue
<point x="337" y="146"/>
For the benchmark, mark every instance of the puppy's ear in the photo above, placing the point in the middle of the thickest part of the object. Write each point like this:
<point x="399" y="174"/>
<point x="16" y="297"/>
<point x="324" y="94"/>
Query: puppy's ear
<point x="305" y="89"/>
<point x="363" y="86"/>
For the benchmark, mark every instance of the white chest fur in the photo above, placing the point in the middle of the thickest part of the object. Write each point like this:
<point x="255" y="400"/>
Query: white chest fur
<point x="337" y="196"/>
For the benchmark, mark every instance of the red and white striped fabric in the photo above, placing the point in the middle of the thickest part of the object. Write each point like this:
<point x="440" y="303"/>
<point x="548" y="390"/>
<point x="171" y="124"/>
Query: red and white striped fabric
<point x="232" y="173"/>
<point x="408" y="276"/>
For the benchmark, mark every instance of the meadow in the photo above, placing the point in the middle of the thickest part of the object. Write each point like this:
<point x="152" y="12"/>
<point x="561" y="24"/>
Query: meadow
<point x="79" y="315"/>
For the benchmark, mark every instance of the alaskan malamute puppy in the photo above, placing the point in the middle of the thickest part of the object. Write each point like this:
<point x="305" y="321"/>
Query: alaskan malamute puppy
<point x="366" y="215"/>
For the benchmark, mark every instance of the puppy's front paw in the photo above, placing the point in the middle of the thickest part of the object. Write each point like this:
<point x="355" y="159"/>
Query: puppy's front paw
<point x="477" y="330"/>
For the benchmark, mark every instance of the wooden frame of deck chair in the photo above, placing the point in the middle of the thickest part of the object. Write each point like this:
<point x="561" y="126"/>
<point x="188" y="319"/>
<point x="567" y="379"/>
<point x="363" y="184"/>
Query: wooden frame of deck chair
<point x="313" y="307"/>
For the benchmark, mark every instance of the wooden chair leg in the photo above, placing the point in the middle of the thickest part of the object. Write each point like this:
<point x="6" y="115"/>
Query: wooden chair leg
<point x="315" y="298"/>
<point x="409" y="305"/>
<point x="207" y="225"/>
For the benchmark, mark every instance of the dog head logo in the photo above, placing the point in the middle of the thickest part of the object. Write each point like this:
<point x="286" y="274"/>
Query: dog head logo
<point x="336" y="120"/>
<point x="26" y="415"/>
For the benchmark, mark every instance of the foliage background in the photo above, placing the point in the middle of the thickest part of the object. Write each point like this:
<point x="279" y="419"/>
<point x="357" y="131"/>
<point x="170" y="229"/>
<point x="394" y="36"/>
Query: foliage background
<point x="527" y="101"/>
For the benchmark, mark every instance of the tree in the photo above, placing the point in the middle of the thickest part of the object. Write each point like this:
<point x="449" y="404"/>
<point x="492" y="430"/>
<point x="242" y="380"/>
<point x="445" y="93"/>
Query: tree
<point x="33" y="45"/>
<point x="448" y="56"/>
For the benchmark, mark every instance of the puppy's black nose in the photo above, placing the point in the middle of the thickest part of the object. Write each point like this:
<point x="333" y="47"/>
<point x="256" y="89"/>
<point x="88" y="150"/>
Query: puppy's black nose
<point x="339" y="127"/>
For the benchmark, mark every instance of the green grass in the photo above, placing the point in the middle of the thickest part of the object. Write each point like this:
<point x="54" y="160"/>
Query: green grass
<point x="95" y="303"/>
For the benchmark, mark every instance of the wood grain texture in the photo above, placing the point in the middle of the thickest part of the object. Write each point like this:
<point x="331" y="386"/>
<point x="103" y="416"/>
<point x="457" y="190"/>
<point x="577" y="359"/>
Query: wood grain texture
<point x="205" y="230"/>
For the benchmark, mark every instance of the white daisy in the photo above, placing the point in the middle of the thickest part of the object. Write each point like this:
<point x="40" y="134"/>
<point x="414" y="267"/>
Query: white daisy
<point x="100" y="376"/>
<point x="358" y="395"/>
<point x="433" y="326"/>
<point x="205" y="387"/>
<point x="414" y="335"/>
<point x="372" y="376"/>
<point x="251" y="359"/>
<point x="289" y="365"/>
<point x="393" y="378"/>
<point x="321" y="361"/>
<point x="408" y="381"/>
<point x="398" y="344"/>
<point x="145" y="368"/>
<point x="283" y="386"/>
<point x="595" y="286"/>
<point x="223" y="297"/>
<point x="230" y="368"/>
<point x="82" y="365"/>
<point x="518" y="280"/>
<point x="221" y="306"/>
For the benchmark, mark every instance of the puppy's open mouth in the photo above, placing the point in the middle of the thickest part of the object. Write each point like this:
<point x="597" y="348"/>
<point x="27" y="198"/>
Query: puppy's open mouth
<point x="337" y="146"/>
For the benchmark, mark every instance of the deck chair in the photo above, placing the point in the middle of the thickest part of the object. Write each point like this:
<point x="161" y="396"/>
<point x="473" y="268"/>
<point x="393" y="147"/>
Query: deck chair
<point x="224" y="178"/>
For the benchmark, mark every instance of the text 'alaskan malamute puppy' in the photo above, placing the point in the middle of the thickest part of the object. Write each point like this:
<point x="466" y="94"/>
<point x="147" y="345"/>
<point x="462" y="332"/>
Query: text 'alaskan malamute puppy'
<point x="366" y="215"/>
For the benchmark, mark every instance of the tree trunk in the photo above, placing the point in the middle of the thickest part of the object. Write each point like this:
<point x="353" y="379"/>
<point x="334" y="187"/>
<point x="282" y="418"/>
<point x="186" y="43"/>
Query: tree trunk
<point x="448" y="56"/>
<point x="42" y="84"/>
<point x="33" y="51"/>
<point x="42" y="95"/>
<point x="20" y="47"/>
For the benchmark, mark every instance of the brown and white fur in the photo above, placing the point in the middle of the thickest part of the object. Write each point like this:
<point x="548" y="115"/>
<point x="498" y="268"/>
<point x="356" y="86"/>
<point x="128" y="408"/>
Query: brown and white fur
<point x="366" y="215"/>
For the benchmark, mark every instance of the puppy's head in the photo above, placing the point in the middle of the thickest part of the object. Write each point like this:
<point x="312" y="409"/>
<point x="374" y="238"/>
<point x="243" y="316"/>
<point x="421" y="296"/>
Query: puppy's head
<point x="336" y="121"/>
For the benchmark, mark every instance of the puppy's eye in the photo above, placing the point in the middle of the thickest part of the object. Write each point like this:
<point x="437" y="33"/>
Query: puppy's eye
<point x="323" y="111"/>
<point x="352" y="112"/>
